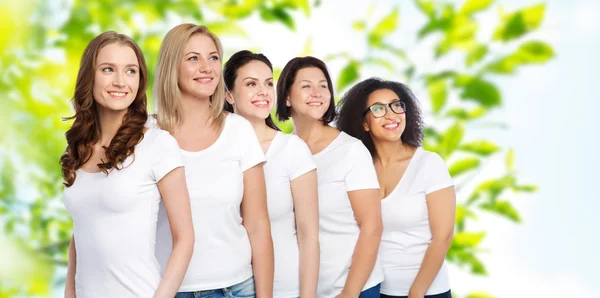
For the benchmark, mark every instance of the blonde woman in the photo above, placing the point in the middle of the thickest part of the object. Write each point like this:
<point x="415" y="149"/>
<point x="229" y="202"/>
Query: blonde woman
<point x="233" y="255"/>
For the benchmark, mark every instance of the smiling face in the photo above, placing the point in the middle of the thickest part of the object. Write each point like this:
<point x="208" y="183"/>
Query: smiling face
<point x="253" y="94"/>
<point x="390" y="126"/>
<point x="116" y="77"/>
<point x="200" y="67"/>
<point x="309" y="94"/>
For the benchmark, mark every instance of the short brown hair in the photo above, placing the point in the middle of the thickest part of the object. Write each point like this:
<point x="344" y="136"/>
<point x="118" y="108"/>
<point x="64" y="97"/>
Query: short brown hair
<point x="286" y="79"/>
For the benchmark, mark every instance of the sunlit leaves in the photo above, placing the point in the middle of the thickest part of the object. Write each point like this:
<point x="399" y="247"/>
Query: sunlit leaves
<point x="386" y="26"/>
<point x="476" y="54"/>
<point x="348" y="75"/>
<point x="481" y="147"/>
<point x="479" y="294"/>
<point x="451" y="138"/>
<point x="531" y="52"/>
<point x="463" y="251"/>
<point x="503" y="208"/>
<point x="438" y="93"/>
<point x="519" y="23"/>
<point x="472" y="6"/>
<point x="482" y="92"/>
<point x="463" y="165"/>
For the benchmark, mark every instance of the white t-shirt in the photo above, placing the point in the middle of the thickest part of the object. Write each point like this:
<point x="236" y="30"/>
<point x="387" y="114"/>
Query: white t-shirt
<point x="215" y="179"/>
<point x="406" y="230"/>
<point x="288" y="158"/>
<point x="345" y="165"/>
<point x="114" y="221"/>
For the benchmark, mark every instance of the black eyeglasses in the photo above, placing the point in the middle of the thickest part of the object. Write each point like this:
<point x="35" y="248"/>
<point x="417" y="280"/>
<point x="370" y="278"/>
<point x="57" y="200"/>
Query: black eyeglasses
<point x="380" y="109"/>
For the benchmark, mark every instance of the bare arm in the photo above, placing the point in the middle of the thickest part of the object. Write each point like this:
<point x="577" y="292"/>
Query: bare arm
<point x="306" y="208"/>
<point x="70" y="282"/>
<point x="255" y="219"/>
<point x="366" y="205"/>
<point x="174" y="192"/>
<point x="441" y="205"/>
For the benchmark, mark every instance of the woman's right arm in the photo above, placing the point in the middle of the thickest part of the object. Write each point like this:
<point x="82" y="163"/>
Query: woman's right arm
<point x="70" y="282"/>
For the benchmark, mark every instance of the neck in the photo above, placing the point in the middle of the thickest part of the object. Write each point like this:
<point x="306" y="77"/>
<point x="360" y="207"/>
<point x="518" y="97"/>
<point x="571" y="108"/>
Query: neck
<point x="110" y="122"/>
<point x="195" y="112"/>
<point x="390" y="151"/>
<point x="261" y="129"/>
<point x="308" y="129"/>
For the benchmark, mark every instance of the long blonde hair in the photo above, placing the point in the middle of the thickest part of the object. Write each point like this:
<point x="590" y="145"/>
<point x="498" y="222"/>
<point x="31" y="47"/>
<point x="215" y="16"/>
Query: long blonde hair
<point x="167" y="95"/>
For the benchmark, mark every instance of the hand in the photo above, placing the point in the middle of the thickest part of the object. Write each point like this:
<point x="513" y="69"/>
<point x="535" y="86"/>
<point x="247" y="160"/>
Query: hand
<point x="413" y="293"/>
<point x="344" y="295"/>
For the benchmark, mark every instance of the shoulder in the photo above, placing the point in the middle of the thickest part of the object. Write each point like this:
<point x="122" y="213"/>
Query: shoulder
<point x="431" y="160"/>
<point x="158" y="138"/>
<point x="236" y="120"/>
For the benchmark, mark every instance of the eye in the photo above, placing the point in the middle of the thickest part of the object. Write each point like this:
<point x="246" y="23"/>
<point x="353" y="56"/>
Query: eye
<point x="251" y="84"/>
<point x="193" y="58"/>
<point x="377" y="108"/>
<point x="131" y="71"/>
<point x="305" y="86"/>
<point x="107" y="69"/>
<point x="214" y="58"/>
<point x="270" y="84"/>
<point x="324" y="86"/>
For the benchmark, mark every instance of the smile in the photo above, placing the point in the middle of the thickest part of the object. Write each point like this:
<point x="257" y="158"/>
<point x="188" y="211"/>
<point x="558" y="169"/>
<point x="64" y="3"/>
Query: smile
<point x="203" y="80"/>
<point x="117" y="95"/>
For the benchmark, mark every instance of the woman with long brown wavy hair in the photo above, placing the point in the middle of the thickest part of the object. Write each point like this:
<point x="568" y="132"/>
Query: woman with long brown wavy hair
<point x="116" y="171"/>
<point x="223" y="162"/>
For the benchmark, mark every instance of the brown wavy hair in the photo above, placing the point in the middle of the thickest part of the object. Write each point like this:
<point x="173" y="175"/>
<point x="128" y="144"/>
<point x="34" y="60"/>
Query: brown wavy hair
<point x="85" y="131"/>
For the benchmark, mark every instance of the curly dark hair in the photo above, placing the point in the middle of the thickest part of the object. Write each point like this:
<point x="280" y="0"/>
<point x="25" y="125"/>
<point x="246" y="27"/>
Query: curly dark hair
<point x="85" y="130"/>
<point x="230" y="70"/>
<point x="354" y="103"/>
<point x="286" y="79"/>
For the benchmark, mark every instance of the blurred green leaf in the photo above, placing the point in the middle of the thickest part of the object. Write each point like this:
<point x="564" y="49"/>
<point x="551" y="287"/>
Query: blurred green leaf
<point x="359" y="25"/>
<point x="426" y="6"/>
<point x="519" y="23"/>
<point x="476" y="54"/>
<point x="471" y="6"/>
<point x="348" y="75"/>
<point x="463" y="165"/>
<point x="503" y="208"/>
<point x="386" y="26"/>
<point x="480" y="147"/>
<point x="510" y="159"/>
<point x="451" y="138"/>
<point x="532" y="52"/>
<point x="482" y="92"/>
<point x="468" y="239"/>
<point x="277" y="14"/>
<point x="526" y="188"/>
<point x="479" y="294"/>
<point x="381" y="62"/>
<point x="238" y="11"/>
<point x="226" y="28"/>
<point x="463" y="114"/>
<point x="438" y="93"/>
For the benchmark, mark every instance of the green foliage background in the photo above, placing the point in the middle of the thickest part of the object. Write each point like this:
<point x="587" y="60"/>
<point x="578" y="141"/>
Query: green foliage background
<point x="39" y="58"/>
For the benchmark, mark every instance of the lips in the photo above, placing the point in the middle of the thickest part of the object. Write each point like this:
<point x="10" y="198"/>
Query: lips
<point x="314" y="103"/>
<point x="391" y="126"/>
<point x="261" y="103"/>
<point x="117" y="94"/>
<point x="204" y="80"/>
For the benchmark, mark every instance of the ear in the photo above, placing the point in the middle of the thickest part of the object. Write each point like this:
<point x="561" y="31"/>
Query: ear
<point x="287" y="102"/>
<point x="366" y="126"/>
<point x="229" y="98"/>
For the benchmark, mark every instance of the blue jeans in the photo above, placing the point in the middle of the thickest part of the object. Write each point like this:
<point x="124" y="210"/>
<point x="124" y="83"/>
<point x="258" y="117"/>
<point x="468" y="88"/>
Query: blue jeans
<point x="241" y="290"/>
<point x="371" y="292"/>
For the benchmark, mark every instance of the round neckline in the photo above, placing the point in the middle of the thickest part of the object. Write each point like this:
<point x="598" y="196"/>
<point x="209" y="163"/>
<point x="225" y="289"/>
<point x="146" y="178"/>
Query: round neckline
<point x="214" y="144"/>
<point x="81" y="170"/>
<point x="329" y="145"/>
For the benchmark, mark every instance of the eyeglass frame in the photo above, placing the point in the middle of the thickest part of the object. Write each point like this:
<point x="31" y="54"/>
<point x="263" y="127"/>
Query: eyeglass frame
<point x="387" y="106"/>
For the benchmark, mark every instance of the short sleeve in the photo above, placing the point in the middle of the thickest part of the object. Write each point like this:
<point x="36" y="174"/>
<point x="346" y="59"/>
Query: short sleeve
<point x="362" y="174"/>
<point x="166" y="155"/>
<point x="437" y="175"/>
<point x="251" y="153"/>
<point x="300" y="158"/>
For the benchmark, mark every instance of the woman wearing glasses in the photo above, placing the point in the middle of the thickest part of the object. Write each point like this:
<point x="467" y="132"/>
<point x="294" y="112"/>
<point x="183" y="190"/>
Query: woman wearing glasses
<point x="418" y="198"/>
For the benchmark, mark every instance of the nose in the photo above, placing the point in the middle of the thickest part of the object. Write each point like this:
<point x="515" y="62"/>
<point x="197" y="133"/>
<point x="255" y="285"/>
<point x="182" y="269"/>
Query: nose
<point x="316" y="93"/>
<point x="204" y="68"/>
<point x="118" y="80"/>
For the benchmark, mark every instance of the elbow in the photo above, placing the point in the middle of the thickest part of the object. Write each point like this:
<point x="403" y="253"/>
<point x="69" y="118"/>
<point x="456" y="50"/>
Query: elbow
<point x="444" y="239"/>
<point x="372" y="229"/>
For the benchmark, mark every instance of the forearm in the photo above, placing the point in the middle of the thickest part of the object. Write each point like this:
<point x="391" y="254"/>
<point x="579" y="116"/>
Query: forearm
<point x="309" y="265"/>
<point x="432" y="262"/>
<point x="70" y="280"/>
<point x="363" y="260"/>
<point x="177" y="266"/>
<point x="262" y="260"/>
